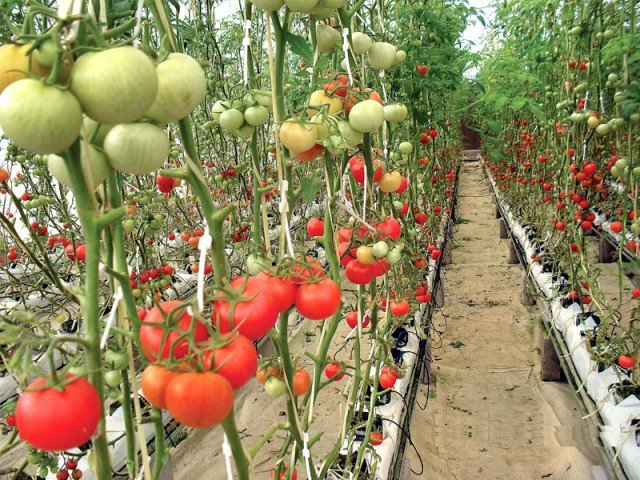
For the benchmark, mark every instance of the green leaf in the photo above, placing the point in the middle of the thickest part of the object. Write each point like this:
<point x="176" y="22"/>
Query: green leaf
<point x="537" y="111"/>
<point x="502" y="99"/>
<point x="299" y="46"/>
<point x="519" y="103"/>
<point x="495" y="126"/>
<point x="310" y="186"/>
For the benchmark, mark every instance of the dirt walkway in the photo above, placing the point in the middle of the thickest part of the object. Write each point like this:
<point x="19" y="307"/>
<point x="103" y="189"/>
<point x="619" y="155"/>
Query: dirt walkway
<point x="489" y="415"/>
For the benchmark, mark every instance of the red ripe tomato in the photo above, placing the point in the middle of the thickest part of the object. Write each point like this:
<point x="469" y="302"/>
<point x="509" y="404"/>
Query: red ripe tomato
<point x="237" y="361"/>
<point x="381" y="267"/>
<point x="317" y="301"/>
<point x="153" y="330"/>
<point x="301" y="382"/>
<point x="388" y="378"/>
<point x="81" y="253"/>
<point x="344" y="254"/>
<point x="616" y="227"/>
<point x="360" y="273"/>
<point x="403" y="186"/>
<point x="357" y="169"/>
<point x="283" y="475"/>
<point x="352" y="319"/>
<point x="314" y="152"/>
<point x="344" y="234"/>
<point x="165" y="184"/>
<point x="264" y="373"/>
<point x="199" y="400"/>
<point x="333" y="372"/>
<point x="626" y="362"/>
<point x="282" y="289"/>
<point x="154" y="381"/>
<point x="253" y="318"/>
<point x="390" y="227"/>
<point x="315" y="227"/>
<point x="399" y="309"/>
<point x="375" y="438"/>
<point x="54" y="420"/>
<point x="302" y="273"/>
<point x="357" y="165"/>
<point x="10" y="420"/>
<point x="433" y="133"/>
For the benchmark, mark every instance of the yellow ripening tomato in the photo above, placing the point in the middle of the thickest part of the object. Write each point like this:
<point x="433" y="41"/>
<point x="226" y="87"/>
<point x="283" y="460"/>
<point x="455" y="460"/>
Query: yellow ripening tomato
<point x="14" y="62"/>
<point x="390" y="182"/>
<point x="298" y="137"/>
<point x="365" y="255"/>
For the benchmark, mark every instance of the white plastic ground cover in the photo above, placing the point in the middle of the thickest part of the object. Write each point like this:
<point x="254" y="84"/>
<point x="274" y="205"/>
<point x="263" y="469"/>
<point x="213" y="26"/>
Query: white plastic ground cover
<point x="616" y="432"/>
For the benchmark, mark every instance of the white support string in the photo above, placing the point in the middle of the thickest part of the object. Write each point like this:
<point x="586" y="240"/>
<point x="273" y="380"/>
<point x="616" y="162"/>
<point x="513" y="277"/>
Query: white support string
<point x="347" y="206"/>
<point x="136" y="31"/>
<point x="226" y="450"/>
<point x="246" y="42"/>
<point x="384" y="90"/>
<point x="385" y="148"/>
<point x="345" y="49"/>
<point x="204" y="244"/>
<point x="112" y="315"/>
<point x="69" y="8"/>
<point x="306" y="454"/>
<point x="365" y="23"/>
<point x="284" y="208"/>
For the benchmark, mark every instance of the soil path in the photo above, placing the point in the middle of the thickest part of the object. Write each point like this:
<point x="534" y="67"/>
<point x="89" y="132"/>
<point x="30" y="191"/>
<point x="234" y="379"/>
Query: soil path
<point x="489" y="415"/>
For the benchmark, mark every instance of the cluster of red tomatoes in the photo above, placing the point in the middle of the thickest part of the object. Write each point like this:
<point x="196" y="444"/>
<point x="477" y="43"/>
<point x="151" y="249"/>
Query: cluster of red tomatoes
<point x="427" y="136"/>
<point x="246" y="311"/>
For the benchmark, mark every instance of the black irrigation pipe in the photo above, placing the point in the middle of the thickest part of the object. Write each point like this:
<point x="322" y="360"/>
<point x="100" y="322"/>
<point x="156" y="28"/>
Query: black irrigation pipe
<point x="609" y="457"/>
<point x="423" y="350"/>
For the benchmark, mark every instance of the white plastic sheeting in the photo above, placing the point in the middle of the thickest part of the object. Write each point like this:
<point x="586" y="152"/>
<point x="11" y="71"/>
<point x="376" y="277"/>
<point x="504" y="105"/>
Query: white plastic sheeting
<point x="616" y="432"/>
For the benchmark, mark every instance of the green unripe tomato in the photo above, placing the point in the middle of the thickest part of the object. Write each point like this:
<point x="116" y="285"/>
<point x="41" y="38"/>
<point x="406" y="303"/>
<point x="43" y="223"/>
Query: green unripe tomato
<point x="380" y="249"/>
<point x="275" y="387"/>
<point x="78" y="371"/>
<point x="113" y="378"/>
<point x="406" y="148"/>
<point x="621" y="164"/>
<point x="34" y="458"/>
<point x="114" y="394"/>
<point x="231" y="119"/>
<point x="603" y="129"/>
<point x="116" y="359"/>
<point x="129" y="225"/>
<point x="394" y="256"/>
